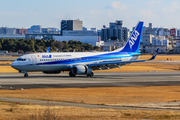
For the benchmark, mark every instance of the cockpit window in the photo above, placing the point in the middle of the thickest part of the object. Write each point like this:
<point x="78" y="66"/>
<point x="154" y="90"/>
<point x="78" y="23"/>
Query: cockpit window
<point x="20" y="59"/>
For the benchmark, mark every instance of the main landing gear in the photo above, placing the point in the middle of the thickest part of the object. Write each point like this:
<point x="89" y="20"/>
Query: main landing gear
<point x="25" y="75"/>
<point x="71" y="74"/>
<point x="90" y="75"/>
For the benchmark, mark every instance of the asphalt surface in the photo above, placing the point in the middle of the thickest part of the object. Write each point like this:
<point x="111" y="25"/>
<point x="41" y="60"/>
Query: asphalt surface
<point x="100" y="79"/>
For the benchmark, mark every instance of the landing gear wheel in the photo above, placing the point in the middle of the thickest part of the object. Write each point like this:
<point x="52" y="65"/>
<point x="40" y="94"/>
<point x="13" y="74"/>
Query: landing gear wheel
<point x="26" y="75"/>
<point x="71" y="74"/>
<point x="90" y="75"/>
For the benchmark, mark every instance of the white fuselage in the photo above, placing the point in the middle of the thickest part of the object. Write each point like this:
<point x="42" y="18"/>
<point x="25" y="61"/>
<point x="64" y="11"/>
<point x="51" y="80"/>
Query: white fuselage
<point x="64" y="61"/>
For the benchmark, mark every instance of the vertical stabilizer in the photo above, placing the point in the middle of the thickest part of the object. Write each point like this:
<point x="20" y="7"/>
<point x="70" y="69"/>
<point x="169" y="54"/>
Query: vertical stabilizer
<point x="48" y="49"/>
<point x="134" y="40"/>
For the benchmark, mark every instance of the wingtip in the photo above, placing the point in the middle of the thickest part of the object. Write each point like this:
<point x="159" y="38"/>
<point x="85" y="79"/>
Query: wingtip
<point x="155" y="54"/>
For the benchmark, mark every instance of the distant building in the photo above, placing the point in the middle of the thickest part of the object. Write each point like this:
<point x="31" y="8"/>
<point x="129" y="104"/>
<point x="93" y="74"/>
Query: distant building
<point x="71" y="25"/>
<point x="152" y="49"/>
<point x="7" y="31"/>
<point x="46" y="30"/>
<point x="78" y="33"/>
<point x="2" y="30"/>
<point x="93" y="29"/>
<point x="50" y="30"/>
<point x="84" y="29"/>
<point x="177" y="43"/>
<point x="125" y="34"/>
<point x="21" y="31"/>
<point x="98" y="32"/>
<point x="147" y="39"/>
<point x="13" y="36"/>
<point x="163" y="32"/>
<point x="173" y="32"/>
<point x="114" y="32"/>
<point x="110" y="45"/>
<point x="149" y="30"/>
<point x="150" y="25"/>
<point x="150" y="41"/>
<point x="177" y="50"/>
<point x="34" y="29"/>
<point x="40" y="36"/>
<point x="10" y="31"/>
<point x="84" y="39"/>
<point x="37" y="32"/>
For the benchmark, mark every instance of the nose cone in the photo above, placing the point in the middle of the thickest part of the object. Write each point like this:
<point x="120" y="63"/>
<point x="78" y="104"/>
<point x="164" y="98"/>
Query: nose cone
<point x="14" y="65"/>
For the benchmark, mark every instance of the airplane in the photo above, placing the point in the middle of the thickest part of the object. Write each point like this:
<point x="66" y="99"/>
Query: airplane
<point x="83" y="62"/>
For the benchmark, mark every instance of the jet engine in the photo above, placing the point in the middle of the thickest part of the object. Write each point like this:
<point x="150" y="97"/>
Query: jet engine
<point x="81" y="69"/>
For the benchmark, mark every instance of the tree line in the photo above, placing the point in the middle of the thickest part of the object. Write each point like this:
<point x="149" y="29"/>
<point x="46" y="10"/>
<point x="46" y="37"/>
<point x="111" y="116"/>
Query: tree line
<point x="41" y="45"/>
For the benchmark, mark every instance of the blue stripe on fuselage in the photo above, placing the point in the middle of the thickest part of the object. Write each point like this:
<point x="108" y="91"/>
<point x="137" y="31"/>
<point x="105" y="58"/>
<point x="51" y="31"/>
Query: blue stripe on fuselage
<point x="90" y="58"/>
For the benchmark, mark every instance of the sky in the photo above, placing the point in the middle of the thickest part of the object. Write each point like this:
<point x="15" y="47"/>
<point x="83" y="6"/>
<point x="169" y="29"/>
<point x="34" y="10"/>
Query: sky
<point x="93" y="13"/>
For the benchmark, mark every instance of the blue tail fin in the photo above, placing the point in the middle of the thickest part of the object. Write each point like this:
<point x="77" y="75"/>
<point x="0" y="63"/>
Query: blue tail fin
<point x="134" y="40"/>
<point x="48" y="50"/>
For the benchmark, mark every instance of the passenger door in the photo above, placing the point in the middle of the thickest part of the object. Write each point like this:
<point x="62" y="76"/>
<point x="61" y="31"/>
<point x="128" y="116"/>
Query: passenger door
<point x="34" y="60"/>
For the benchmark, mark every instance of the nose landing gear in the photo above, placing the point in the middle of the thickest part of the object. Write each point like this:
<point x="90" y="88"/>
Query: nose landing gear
<point x="25" y="73"/>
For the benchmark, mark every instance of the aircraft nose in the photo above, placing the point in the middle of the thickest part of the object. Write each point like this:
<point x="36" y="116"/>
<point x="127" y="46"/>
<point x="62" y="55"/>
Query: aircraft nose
<point x="14" y="65"/>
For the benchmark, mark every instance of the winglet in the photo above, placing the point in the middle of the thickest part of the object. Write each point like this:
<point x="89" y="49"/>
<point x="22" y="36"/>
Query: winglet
<point x="48" y="50"/>
<point x="154" y="56"/>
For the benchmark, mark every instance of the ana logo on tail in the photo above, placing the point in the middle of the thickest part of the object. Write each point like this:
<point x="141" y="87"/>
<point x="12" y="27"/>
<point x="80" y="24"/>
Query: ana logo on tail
<point x="133" y="38"/>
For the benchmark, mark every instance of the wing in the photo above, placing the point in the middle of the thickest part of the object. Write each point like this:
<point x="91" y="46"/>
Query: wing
<point x="114" y="64"/>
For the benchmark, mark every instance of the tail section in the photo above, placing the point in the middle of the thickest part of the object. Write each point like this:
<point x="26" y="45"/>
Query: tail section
<point x="134" y="40"/>
<point x="48" y="50"/>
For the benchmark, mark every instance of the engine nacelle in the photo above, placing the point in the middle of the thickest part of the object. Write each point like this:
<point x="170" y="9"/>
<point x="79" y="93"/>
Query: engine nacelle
<point x="80" y="69"/>
<point x="51" y="72"/>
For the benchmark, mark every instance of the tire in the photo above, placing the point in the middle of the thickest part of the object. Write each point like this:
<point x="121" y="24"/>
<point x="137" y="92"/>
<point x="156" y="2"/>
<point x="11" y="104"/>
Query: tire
<point x="71" y="74"/>
<point x="26" y="75"/>
<point x="92" y="74"/>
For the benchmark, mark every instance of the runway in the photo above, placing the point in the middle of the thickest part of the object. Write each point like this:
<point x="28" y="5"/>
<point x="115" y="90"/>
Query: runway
<point x="100" y="79"/>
